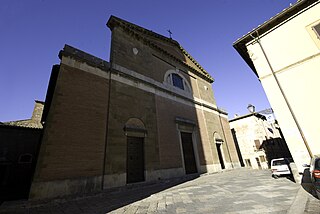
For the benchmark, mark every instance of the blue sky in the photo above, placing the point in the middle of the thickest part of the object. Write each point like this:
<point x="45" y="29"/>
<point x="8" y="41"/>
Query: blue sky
<point x="33" y="32"/>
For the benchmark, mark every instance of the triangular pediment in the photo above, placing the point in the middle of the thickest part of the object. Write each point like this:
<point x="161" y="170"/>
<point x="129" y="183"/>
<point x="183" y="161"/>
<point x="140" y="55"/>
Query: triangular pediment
<point x="167" y="46"/>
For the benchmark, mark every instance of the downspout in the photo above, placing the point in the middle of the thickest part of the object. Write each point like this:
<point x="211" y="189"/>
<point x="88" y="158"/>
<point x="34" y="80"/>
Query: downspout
<point x="107" y="119"/>
<point x="224" y="135"/>
<point x="257" y="39"/>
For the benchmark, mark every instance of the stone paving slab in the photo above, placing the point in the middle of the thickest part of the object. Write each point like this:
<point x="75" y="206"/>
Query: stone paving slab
<point x="231" y="192"/>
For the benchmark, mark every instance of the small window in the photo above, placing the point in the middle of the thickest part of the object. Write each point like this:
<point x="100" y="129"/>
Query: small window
<point x="177" y="81"/>
<point x="314" y="32"/>
<point x="316" y="29"/>
<point x="248" y="162"/>
<point x="25" y="158"/>
<point x="279" y="162"/>
<point x="262" y="158"/>
<point x="257" y="144"/>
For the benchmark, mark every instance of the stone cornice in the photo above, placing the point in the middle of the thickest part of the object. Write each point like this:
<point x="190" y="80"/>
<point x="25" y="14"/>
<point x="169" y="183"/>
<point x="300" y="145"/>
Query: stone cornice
<point x="70" y="54"/>
<point x="133" y="75"/>
<point x="82" y="56"/>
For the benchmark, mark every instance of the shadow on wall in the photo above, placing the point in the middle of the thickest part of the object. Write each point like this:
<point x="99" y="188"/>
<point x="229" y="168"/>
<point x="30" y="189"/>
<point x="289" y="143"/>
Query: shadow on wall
<point x="234" y="135"/>
<point x="275" y="148"/>
<point x="18" y="151"/>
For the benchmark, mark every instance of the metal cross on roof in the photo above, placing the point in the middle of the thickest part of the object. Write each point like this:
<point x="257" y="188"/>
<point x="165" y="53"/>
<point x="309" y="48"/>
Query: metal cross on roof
<point x="170" y="33"/>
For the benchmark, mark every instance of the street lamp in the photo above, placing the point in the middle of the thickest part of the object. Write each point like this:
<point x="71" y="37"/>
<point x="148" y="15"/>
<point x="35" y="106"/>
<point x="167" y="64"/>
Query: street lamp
<point x="251" y="108"/>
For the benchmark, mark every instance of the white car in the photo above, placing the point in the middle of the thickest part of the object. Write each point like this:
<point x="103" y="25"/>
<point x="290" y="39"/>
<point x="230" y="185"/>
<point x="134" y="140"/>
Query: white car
<point x="280" y="167"/>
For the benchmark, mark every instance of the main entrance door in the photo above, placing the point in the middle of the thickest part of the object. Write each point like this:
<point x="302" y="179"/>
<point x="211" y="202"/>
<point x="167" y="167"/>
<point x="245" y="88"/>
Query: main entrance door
<point x="188" y="153"/>
<point x="135" y="159"/>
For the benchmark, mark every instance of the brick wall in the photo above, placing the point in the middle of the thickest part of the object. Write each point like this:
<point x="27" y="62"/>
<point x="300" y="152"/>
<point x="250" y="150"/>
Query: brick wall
<point x="129" y="102"/>
<point x="74" y="136"/>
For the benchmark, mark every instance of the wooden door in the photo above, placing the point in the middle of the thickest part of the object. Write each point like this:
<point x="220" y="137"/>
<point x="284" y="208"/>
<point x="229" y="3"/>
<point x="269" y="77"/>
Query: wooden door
<point x="135" y="159"/>
<point x="188" y="153"/>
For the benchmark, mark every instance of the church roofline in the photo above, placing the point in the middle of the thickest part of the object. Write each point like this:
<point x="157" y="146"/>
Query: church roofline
<point x="115" y="21"/>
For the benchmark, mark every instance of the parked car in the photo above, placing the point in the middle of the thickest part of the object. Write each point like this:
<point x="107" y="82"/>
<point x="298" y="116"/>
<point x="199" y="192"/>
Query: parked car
<point x="280" y="167"/>
<point x="315" y="173"/>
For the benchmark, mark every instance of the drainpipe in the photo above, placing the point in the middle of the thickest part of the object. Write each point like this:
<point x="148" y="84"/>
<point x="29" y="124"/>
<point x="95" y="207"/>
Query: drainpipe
<point x="257" y="39"/>
<point x="224" y="135"/>
<point x="107" y="118"/>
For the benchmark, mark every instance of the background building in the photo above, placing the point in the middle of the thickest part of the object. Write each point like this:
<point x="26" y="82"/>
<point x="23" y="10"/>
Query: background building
<point x="19" y="145"/>
<point x="284" y="54"/>
<point x="148" y="114"/>
<point x="34" y="121"/>
<point x="259" y="140"/>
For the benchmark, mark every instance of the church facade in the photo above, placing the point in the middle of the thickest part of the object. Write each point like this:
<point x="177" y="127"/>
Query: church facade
<point x="146" y="115"/>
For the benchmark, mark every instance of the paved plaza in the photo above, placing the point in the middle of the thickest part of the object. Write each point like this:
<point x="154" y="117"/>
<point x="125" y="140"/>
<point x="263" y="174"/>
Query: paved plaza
<point x="234" y="191"/>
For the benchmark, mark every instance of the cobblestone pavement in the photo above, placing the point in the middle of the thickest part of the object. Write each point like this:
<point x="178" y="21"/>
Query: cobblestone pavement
<point x="312" y="205"/>
<point x="230" y="192"/>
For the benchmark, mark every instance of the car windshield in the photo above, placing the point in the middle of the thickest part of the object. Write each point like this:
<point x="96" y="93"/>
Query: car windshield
<point x="279" y="162"/>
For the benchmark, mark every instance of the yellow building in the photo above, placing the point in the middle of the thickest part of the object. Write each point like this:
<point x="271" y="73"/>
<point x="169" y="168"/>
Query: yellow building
<point x="284" y="53"/>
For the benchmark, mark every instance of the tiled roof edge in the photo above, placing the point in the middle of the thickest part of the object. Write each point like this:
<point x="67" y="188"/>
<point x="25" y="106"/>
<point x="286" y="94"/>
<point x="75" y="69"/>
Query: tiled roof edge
<point x="19" y="126"/>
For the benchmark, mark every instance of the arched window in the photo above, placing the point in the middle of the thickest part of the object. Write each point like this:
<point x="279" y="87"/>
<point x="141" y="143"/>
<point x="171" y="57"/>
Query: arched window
<point x="177" y="80"/>
<point x="135" y="127"/>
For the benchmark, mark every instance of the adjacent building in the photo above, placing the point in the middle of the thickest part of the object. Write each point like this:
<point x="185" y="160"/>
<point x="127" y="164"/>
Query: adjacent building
<point x="19" y="145"/>
<point x="146" y="115"/>
<point x="258" y="140"/>
<point x="284" y="53"/>
<point x="34" y="121"/>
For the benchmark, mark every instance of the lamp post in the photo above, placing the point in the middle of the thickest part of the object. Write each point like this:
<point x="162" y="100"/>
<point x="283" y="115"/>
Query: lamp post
<point x="251" y="108"/>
